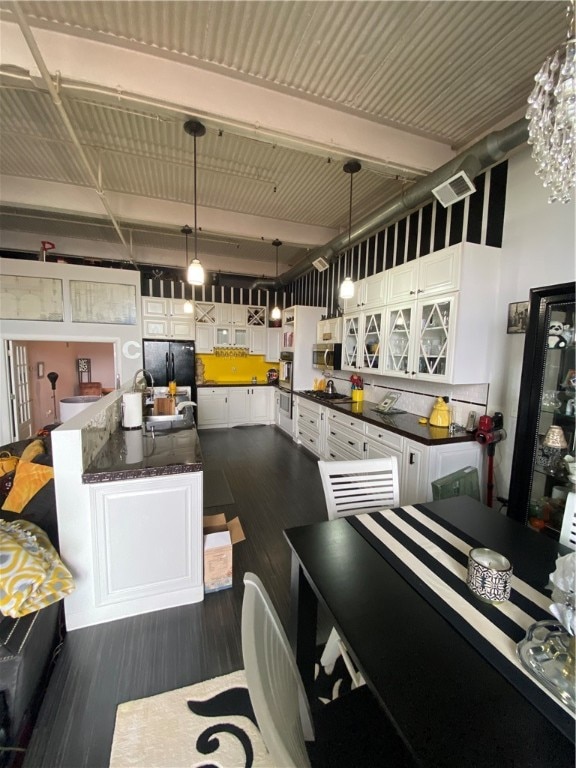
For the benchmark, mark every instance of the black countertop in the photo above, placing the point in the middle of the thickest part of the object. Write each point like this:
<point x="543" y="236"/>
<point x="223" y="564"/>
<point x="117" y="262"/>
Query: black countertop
<point x="405" y="424"/>
<point x="135" y="453"/>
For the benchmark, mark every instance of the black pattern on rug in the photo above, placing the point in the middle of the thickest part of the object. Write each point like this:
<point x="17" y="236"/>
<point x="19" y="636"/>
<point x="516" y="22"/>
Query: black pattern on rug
<point x="235" y="702"/>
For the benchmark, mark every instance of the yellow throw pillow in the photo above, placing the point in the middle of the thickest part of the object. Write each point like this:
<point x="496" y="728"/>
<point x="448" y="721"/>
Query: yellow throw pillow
<point x="32" y="575"/>
<point x="8" y="463"/>
<point x="28" y="480"/>
<point x="33" y="449"/>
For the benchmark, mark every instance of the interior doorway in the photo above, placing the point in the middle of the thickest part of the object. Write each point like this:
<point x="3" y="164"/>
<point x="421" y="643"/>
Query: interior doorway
<point x="80" y="366"/>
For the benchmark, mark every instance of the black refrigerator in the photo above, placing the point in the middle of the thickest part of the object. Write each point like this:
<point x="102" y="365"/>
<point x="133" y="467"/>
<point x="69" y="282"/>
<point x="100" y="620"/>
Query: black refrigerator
<point x="172" y="361"/>
<point x="541" y="487"/>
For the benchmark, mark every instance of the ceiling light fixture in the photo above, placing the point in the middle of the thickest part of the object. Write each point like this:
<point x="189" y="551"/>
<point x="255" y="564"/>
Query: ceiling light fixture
<point x="276" y="313"/>
<point x="195" y="269"/>
<point x="347" y="286"/>
<point x="552" y="118"/>
<point x="188" y="308"/>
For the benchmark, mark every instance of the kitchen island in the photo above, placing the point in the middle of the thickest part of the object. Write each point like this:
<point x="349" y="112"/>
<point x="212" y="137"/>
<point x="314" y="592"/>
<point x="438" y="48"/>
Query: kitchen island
<point x="130" y="514"/>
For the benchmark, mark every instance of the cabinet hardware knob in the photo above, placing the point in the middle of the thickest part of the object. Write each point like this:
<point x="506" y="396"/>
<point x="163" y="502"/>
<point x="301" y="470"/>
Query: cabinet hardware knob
<point x="411" y="458"/>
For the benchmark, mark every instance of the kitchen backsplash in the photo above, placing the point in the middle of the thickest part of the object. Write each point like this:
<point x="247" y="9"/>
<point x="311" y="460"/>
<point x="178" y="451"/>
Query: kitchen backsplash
<point x="418" y="396"/>
<point x="241" y="369"/>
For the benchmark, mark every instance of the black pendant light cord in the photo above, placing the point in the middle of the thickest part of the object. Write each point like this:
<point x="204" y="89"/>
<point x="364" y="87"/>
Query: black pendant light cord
<point x="351" y="167"/>
<point x="195" y="204"/>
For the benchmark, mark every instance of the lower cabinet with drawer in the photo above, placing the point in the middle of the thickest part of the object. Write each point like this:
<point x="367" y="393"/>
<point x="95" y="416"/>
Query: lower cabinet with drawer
<point x="344" y="437"/>
<point x="310" y="422"/>
<point x="230" y="406"/>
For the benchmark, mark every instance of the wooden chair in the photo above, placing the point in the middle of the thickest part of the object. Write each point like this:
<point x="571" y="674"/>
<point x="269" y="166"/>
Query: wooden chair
<point x="351" y="730"/>
<point x="350" y="488"/>
<point x="568" y="530"/>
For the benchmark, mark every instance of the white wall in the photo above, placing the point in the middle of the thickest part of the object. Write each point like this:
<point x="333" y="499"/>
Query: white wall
<point x="126" y="339"/>
<point x="538" y="250"/>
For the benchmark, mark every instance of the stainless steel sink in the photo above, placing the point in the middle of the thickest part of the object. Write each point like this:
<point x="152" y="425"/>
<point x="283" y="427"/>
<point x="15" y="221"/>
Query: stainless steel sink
<point x="163" y="419"/>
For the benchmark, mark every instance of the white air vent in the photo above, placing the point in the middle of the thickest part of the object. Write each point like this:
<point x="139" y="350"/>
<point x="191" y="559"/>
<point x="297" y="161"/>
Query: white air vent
<point x="454" y="189"/>
<point x="320" y="264"/>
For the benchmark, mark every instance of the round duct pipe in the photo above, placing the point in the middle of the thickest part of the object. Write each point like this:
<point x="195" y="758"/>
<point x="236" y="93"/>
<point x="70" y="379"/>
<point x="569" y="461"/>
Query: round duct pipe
<point x="473" y="161"/>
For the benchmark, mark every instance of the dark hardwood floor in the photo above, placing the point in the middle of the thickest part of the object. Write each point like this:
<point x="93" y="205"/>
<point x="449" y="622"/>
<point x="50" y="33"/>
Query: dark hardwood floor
<point x="275" y="485"/>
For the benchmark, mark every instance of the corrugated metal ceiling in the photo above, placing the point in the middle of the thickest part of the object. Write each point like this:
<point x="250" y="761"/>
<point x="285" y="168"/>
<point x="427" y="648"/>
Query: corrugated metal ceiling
<point x="449" y="71"/>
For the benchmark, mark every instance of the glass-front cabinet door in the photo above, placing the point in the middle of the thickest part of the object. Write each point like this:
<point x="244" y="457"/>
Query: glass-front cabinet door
<point x="543" y="479"/>
<point x="398" y="346"/>
<point x="371" y="341"/>
<point x="350" y="345"/>
<point x="419" y="339"/>
<point x="434" y="343"/>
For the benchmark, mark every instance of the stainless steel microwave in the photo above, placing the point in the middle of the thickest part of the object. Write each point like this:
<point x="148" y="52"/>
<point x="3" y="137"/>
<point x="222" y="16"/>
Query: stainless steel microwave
<point x="327" y="357"/>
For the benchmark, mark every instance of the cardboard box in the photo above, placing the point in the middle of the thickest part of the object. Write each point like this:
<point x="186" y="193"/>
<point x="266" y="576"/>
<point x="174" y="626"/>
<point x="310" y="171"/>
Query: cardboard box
<point x="219" y="540"/>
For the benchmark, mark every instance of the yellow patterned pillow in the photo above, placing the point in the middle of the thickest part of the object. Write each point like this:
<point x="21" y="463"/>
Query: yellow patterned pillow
<point x="28" y="480"/>
<point x="33" y="449"/>
<point x="32" y="575"/>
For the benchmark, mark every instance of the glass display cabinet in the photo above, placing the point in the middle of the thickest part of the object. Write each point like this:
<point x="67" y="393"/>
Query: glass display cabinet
<point x="544" y="447"/>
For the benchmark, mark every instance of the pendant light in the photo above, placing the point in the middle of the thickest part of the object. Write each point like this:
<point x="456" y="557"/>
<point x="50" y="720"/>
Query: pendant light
<point x="276" y="313"/>
<point x="347" y="286"/>
<point x="188" y="308"/>
<point x="195" y="269"/>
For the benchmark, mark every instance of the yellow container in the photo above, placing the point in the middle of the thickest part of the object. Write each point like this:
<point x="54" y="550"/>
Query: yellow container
<point x="357" y="395"/>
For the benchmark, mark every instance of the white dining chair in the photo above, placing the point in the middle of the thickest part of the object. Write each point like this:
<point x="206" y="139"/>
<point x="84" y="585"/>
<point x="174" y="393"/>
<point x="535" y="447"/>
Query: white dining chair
<point x="350" y="730"/>
<point x="568" y="530"/>
<point x="350" y="488"/>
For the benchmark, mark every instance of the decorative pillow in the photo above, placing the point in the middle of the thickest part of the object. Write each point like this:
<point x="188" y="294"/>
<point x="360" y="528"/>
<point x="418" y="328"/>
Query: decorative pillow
<point x="29" y="479"/>
<point x="32" y="575"/>
<point x="32" y="449"/>
<point x="8" y="463"/>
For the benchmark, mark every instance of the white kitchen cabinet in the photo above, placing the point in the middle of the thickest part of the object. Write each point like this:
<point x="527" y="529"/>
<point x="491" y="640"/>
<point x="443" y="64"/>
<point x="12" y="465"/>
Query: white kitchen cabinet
<point x="230" y="314"/>
<point x="382" y="444"/>
<point x="344" y="437"/>
<point x="427" y="276"/>
<point x="329" y="331"/>
<point x="250" y="405"/>
<point x="256" y="317"/>
<point x="273" y="341"/>
<point x="414" y="473"/>
<point x="310" y="425"/>
<point x="128" y="536"/>
<point x="257" y="340"/>
<point x="166" y="319"/>
<point x="212" y="407"/>
<point x="363" y="337"/>
<point x="205" y="339"/>
<point x="231" y="336"/>
<point x="368" y="292"/>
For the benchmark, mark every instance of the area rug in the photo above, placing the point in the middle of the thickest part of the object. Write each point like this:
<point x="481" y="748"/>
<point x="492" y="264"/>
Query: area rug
<point x="217" y="491"/>
<point x="207" y="725"/>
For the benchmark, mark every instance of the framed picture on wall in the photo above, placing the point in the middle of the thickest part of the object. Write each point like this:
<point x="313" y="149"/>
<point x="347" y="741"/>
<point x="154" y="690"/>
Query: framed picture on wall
<point x="517" y="317"/>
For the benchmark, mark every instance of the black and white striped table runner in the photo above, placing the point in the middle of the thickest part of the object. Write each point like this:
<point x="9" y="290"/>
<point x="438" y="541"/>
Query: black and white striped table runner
<point x="433" y="558"/>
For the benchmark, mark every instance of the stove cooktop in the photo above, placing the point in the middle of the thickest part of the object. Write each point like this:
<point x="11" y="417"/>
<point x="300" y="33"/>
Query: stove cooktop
<point x="333" y="397"/>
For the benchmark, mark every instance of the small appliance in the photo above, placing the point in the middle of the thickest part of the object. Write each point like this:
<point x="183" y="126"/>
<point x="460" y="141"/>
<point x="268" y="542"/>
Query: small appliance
<point x="440" y="416"/>
<point x="327" y="357"/>
<point x="272" y="376"/>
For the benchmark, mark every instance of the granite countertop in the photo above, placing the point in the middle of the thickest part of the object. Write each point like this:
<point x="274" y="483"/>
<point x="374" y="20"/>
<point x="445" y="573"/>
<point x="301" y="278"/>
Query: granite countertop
<point x="135" y="453"/>
<point x="405" y="424"/>
<point x="247" y="383"/>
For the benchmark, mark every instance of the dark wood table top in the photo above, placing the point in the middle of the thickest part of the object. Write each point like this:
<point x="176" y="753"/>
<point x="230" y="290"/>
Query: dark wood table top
<point x="449" y="704"/>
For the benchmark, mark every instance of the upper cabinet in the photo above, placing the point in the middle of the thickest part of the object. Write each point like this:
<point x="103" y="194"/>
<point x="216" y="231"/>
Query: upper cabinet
<point x="329" y="331"/>
<point x="369" y="292"/>
<point x="428" y="276"/>
<point x="166" y="319"/>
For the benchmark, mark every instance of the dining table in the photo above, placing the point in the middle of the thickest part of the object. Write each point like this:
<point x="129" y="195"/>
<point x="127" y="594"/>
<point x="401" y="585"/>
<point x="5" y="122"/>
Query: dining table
<point x="441" y="662"/>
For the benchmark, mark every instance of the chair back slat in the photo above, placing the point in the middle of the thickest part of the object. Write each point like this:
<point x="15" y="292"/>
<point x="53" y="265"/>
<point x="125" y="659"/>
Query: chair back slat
<point x="568" y="530"/>
<point x="352" y="487"/>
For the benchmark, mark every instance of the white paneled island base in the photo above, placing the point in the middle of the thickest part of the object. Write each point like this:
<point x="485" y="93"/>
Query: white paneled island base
<point x="147" y="544"/>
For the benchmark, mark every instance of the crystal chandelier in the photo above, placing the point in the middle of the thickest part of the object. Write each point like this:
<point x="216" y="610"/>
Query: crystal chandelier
<point x="552" y="116"/>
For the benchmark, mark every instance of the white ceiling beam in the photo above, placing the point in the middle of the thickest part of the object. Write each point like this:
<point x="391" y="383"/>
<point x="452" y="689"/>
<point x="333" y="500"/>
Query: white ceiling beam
<point x="68" y="198"/>
<point x="229" y="101"/>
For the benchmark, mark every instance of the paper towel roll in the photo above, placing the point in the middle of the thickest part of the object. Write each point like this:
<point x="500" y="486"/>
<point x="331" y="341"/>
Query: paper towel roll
<point x="134" y="442"/>
<point x="132" y="410"/>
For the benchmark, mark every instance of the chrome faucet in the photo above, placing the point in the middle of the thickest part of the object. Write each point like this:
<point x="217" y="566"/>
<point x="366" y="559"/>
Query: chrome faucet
<point x="145" y="372"/>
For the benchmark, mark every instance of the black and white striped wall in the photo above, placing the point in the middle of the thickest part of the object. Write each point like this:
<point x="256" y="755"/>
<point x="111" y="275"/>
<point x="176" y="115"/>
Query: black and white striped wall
<point x="478" y="218"/>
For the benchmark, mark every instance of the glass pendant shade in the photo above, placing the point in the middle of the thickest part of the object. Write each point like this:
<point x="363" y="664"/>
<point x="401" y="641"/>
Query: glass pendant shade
<point x="276" y="313"/>
<point x="347" y="288"/>
<point x="195" y="273"/>
<point x="188" y="308"/>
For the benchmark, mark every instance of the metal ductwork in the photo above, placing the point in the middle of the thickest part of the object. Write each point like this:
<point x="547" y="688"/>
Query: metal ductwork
<point x="473" y="161"/>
